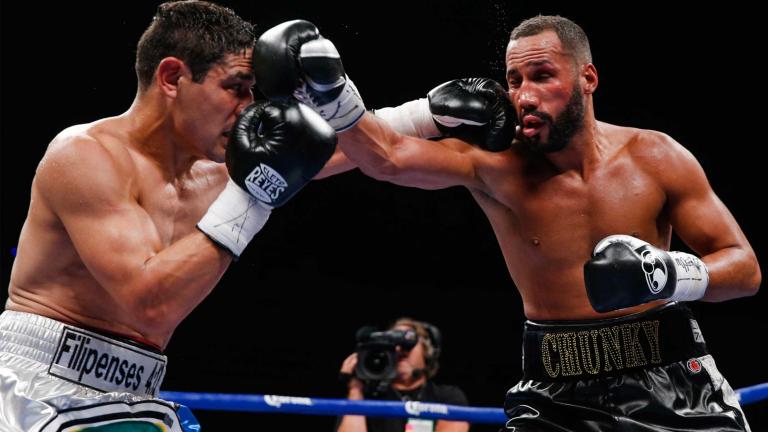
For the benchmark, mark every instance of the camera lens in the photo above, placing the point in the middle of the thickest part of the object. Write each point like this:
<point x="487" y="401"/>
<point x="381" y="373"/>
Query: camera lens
<point x="377" y="353"/>
<point x="377" y="362"/>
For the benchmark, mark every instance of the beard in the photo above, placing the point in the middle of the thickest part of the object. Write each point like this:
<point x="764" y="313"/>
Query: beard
<point x="563" y="128"/>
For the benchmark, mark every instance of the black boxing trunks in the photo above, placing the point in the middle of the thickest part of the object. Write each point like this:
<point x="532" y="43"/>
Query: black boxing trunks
<point x="642" y="372"/>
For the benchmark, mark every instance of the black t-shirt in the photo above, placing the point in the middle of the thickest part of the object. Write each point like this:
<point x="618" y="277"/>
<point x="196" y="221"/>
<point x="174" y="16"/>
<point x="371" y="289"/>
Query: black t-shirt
<point x="430" y="392"/>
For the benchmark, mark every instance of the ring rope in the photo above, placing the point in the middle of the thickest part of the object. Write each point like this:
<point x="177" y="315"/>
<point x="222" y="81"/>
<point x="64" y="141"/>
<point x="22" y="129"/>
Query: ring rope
<point x="338" y="407"/>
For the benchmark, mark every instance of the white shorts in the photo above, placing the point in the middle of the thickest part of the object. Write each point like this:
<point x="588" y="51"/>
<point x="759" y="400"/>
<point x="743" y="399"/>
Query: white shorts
<point x="57" y="377"/>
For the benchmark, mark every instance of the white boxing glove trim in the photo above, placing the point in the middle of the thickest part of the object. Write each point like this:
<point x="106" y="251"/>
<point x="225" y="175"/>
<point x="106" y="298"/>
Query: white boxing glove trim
<point x="321" y="47"/>
<point x="325" y="49"/>
<point x="692" y="277"/>
<point x="343" y="112"/>
<point x="692" y="273"/>
<point x="411" y="118"/>
<point x="452" y="122"/>
<point x="348" y="108"/>
<point x="633" y="242"/>
<point x="234" y="218"/>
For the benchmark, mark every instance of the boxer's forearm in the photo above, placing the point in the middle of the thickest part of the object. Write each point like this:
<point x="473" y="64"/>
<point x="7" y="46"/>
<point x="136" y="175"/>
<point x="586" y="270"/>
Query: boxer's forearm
<point x="338" y="164"/>
<point x="173" y="282"/>
<point x="371" y="146"/>
<point x="733" y="272"/>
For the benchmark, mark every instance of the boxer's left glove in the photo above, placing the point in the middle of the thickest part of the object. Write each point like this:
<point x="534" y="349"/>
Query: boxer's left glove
<point x="292" y="59"/>
<point x="274" y="149"/>
<point x="625" y="271"/>
<point x="475" y="110"/>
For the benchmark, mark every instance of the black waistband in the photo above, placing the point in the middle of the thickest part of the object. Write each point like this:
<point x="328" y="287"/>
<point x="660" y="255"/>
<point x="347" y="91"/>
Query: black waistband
<point x="569" y="350"/>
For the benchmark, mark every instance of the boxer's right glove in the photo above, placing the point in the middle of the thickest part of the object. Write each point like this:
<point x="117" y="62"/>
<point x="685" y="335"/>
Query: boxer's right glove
<point x="625" y="271"/>
<point x="475" y="110"/>
<point x="292" y="59"/>
<point x="274" y="149"/>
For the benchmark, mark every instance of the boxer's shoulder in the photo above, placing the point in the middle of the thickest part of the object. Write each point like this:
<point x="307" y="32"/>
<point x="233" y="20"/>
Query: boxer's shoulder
<point x="645" y="149"/>
<point x="641" y="144"/>
<point x="662" y="158"/>
<point x="101" y="138"/>
<point x="80" y="152"/>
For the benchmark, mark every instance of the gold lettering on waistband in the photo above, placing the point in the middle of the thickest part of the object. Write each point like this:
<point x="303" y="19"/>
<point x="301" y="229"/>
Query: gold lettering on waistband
<point x="590" y="354"/>
<point x="569" y="354"/>
<point x="611" y="348"/>
<point x="633" y="352"/>
<point x="651" y="330"/>
<point x="608" y="348"/>
<point x="549" y="340"/>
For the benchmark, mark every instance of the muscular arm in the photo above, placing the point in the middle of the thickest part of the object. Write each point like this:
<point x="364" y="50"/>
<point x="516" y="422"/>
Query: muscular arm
<point x="337" y="164"/>
<point x="89" y="188"/>
<point x="705" y="224"/>
<point x="386" y="155"/>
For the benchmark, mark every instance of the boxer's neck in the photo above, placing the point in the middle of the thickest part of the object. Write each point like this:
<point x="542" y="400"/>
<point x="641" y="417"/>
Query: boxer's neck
<point x="152" y="132"/>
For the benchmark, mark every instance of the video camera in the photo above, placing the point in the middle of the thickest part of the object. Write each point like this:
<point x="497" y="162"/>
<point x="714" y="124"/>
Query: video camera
<point x="377" y="353"/>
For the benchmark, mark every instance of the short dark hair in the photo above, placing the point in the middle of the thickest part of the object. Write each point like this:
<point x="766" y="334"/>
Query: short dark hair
<point x="199" y="33"/>
<point x="572" y="36"/>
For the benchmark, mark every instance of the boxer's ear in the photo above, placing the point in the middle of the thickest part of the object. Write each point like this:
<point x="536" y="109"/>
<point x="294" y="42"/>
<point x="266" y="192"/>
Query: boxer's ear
<point x="588" y="77"/>
<point x="168" y="73"/>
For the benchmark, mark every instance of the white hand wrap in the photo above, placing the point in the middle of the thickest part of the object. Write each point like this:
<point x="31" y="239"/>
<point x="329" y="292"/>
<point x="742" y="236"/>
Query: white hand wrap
<point x="234" y="218"/>
<point x="411" y="118"/>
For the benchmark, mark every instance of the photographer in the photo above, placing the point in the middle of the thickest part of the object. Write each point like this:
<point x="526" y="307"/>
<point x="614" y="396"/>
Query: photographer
<point x="398" y="364"/>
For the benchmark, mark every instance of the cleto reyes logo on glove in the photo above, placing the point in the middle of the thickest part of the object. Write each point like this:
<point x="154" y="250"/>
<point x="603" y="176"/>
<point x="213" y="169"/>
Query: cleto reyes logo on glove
<point x="655" y="271"/>
<point x="265" y="183"/>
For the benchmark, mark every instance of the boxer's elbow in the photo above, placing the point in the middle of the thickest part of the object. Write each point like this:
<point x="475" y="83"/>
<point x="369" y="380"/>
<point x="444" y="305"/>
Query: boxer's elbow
<point x="749" y="276"/>
<point x="149" y="310"/>
<point x="157" y="316"/>
<point x="755" y="276"/>
<point x="378" y="152"/>
<point x="148" y="316"/>
<point x="400" y="162"/>
<point x="387" y="170"/>
<point x="384" y="167"/>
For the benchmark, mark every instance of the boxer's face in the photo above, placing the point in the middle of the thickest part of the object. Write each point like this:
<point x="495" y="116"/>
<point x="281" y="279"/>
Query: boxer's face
<point x="545" y="90"/>
<point x="212" y="106"/>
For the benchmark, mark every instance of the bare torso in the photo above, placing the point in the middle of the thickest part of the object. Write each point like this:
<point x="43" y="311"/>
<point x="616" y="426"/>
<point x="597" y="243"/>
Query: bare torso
<point x="547" y="222"/>
<point x="50" y="278"/>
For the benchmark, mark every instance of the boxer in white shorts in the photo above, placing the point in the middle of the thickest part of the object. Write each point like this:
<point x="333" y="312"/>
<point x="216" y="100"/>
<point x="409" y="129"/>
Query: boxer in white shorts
<point x="133" y="220"/>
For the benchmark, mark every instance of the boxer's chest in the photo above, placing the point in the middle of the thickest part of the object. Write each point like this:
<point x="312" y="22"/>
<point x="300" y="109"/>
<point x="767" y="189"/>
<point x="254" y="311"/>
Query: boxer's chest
<point x="176" y="206"/>
<point x="566" y="214"/>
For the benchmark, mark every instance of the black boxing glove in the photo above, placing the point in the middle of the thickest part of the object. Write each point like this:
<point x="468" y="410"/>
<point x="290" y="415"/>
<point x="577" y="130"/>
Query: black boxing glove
<point x="274" y="149"/>
<point x="292" y="59"/>
<point x="625" y="271"/>
<point x="475" y="110"/>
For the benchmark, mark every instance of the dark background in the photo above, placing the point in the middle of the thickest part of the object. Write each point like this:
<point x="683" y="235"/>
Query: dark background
<point x="349" y="250"/>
